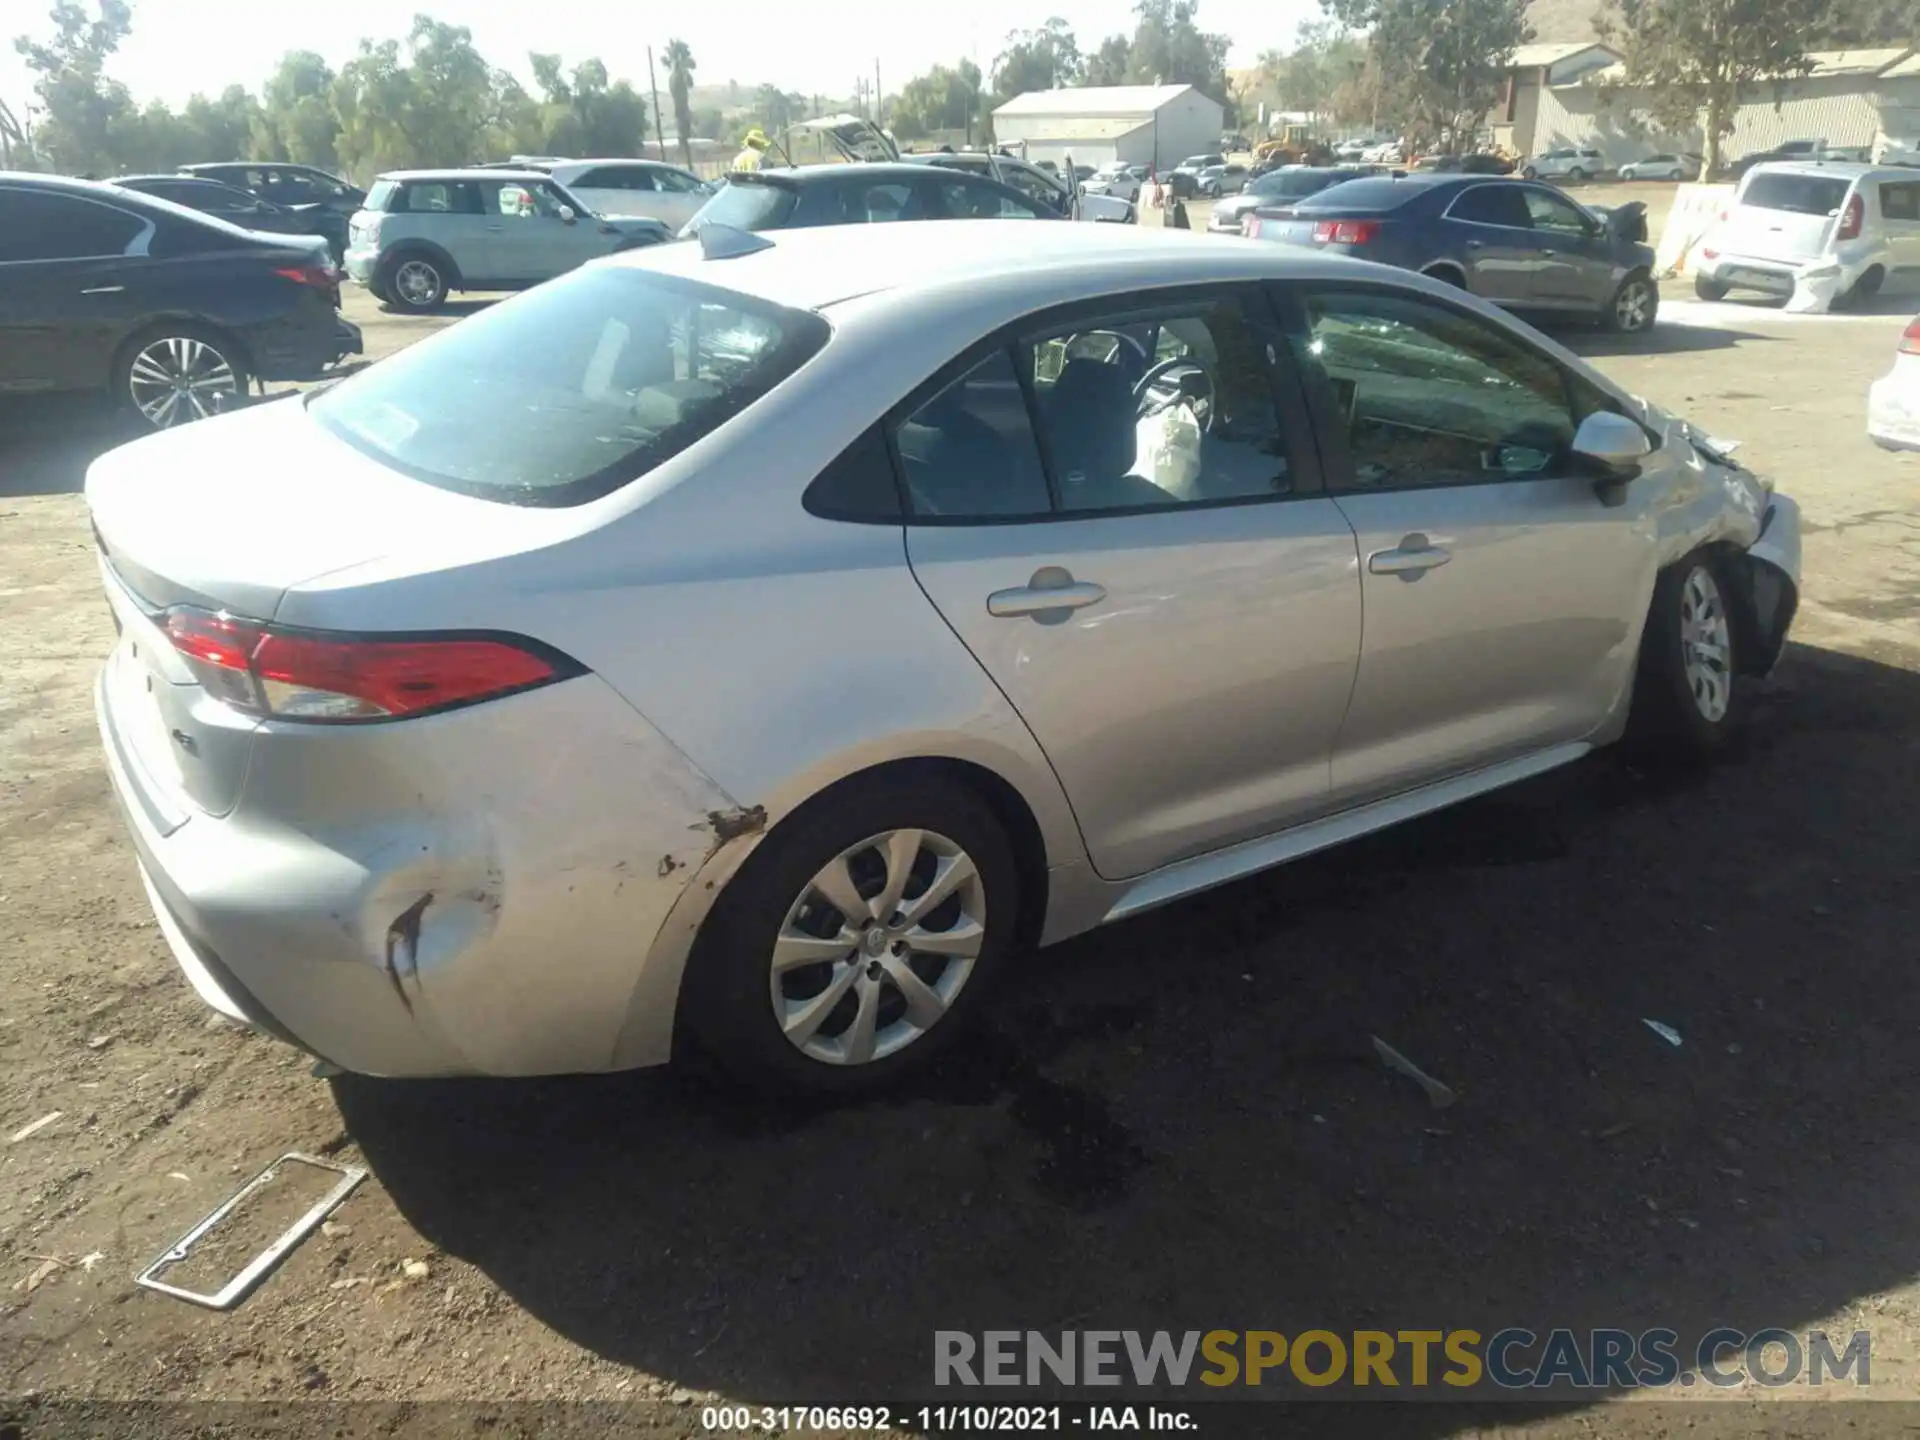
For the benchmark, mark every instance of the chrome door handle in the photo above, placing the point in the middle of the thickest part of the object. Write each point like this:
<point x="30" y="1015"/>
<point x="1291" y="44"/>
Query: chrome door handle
<point x="1473" y="244"/>
<point x="104" y="290"/>
<point x="1549" y="251"/>
<point x="1411" y="559"/>
<point x="1051" y="589"/>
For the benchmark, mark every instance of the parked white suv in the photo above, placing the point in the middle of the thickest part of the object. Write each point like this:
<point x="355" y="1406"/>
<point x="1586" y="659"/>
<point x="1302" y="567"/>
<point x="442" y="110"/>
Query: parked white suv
<point x="1787" y="216"/>
<point x="1567" y="163"/>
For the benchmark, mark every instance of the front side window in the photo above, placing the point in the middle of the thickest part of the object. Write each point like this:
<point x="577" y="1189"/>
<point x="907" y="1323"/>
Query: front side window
<point x="616" y="177"/>
<point x="1549" y="212"/>
<point x="963" y="199"/>
<point x="675" y="182"/>
<point x="42" y="226"/>
<point x="1032" y="184"/>
<point x="1429" y="396"/>
<point x="1141" y="411"/>
<point x="570" y="391"/>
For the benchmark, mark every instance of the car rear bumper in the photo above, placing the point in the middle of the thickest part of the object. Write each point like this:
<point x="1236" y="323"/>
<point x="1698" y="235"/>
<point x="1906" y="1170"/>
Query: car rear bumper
<point x="1893" y="413"/>
<point x="451" y="895"/>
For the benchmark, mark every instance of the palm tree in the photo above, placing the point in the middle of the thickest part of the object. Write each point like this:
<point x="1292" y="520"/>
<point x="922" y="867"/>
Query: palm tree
<point x="680" y="67"/>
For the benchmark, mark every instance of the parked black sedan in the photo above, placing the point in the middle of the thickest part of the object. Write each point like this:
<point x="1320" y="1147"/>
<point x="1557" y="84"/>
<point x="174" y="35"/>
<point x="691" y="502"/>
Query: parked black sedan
<point x="238" y="207"/>
<point x="1519" y="243"/>
<point x="171" y="311"/>
<point x="788" y="199"/>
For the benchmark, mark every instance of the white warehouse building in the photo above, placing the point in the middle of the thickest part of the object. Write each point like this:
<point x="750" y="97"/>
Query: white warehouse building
<point x="1156" y="125"/>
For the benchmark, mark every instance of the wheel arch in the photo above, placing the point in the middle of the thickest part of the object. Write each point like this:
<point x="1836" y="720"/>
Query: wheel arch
<point x="391" y="258"/>
<point x="151" y="325"/>
<point x="1448" y="272"/>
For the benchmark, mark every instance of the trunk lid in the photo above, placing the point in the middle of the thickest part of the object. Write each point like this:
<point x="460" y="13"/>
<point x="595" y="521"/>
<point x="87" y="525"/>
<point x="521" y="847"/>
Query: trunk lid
<point x="855" y="138"/>
<point x="1783" y="216"/>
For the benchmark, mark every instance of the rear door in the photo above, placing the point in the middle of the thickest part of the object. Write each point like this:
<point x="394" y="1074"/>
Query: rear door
<point x="71" y="287"/>
<point x="1502" y="597"/>
<point x="1491" y="233"/>
<point x="1156" y="583"/>
<point x="620" y="190"/>
<point x="1900" y="216"/>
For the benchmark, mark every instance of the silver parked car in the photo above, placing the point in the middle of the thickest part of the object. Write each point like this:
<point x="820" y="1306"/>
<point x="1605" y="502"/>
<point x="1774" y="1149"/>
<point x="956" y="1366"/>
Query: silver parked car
<point x="619" y="189"/>
<point x="422" y="233"/>
<point x="776" y="637"/>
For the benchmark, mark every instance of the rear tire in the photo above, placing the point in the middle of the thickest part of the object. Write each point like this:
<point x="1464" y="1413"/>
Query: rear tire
<point x="416" y="282"/>
<point x="1688" y="700"/>
<point x="1577" y="175"/>
<point x="1708" y="289"/>
<point x="756" y="1014"/>
<point x="170" y="374"/>
<point x="1529" y="173"/>
<point x="1865" y="288"/>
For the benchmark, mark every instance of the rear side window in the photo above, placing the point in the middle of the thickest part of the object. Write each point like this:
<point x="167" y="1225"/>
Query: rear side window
<point x="616" y="177"/>
<point x="38" y="225"/>
<point x="969" y="452"/>
<point x="1900" y="201"/>
<point x="1795" y="194"/>
<point x="1493" y="205"/>
<point x="747" y="205"/>
<point x="572" y="390"/>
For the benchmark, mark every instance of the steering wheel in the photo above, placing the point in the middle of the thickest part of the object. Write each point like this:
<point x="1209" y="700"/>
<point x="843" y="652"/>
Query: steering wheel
<point x="1203" y="408"/>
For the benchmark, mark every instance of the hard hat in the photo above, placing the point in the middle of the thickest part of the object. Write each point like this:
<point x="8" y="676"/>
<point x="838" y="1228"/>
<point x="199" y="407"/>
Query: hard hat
<point x="756" y="136"/>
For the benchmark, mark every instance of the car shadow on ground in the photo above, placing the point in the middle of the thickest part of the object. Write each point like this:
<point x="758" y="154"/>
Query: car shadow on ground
<point x="1668" y="337"/>
<point x="1179" y="1123"/>
<point x="47" y="444"/>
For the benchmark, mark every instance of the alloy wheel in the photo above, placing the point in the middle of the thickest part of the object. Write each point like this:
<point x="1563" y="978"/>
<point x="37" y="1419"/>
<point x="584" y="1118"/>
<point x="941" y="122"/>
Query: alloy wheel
<point x="1633" y="306"/>
<point x="1706" y="645"/>
<point x="177" y="378"/>
<point x="877" y="947"/>
<point x="416" y="282"/>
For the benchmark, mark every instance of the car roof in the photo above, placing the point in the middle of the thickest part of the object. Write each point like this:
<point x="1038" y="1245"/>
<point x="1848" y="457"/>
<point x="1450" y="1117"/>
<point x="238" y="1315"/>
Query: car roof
<point x="171" y="179"/>
<point x="875" y="170"/>
<point x="1834" y="169"/>
<point x="97" y="189"/>
<point x="817" y="267"/>
<point x="615" y="160"/>
<point x="471" y="173"/>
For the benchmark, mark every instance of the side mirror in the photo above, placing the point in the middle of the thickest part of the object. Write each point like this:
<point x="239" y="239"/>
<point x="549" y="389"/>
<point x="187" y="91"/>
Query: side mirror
<point x="1611" y="448"/>
<point x="567" y="215"/>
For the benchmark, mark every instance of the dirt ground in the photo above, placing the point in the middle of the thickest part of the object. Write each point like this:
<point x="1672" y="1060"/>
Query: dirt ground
<point x="1177" y="1123"/>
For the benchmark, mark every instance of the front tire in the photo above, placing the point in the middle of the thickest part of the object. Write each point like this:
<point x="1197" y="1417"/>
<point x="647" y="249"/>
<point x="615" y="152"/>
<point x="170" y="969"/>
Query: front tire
<point x="1633" y="307"/>
<point x="1577" y="175"/>
<point x="1529" y="173"/>
<point x="1708" y="289"/>
<point x="858" y="941"/>
<point x="173" y="374"/>
<point x="1687" y="699"/>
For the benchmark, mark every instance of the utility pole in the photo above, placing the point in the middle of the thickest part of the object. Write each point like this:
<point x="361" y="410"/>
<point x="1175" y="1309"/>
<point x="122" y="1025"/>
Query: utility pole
<point x="879" y="95"/>
<point x="659" y="131"/>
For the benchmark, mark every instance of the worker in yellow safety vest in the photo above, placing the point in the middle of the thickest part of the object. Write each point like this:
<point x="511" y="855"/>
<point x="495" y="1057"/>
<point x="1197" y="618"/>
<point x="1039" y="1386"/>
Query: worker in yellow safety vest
<point x="755" y="146"/>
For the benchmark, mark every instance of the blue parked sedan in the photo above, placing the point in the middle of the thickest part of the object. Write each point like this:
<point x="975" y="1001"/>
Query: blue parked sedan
<point x="1517" y="243"/>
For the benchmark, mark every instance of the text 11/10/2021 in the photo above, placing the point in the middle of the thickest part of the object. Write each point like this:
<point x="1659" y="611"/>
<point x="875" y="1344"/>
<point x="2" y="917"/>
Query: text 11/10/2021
<point x="944" y="1419"/>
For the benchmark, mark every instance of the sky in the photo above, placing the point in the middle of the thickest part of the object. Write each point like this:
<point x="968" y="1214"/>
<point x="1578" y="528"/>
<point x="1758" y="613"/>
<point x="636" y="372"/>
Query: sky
<point x="179" y="46"/>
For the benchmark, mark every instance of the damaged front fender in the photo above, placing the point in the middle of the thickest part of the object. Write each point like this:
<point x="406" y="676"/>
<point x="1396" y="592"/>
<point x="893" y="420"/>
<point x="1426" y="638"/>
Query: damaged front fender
<point x="1772" y="573"/>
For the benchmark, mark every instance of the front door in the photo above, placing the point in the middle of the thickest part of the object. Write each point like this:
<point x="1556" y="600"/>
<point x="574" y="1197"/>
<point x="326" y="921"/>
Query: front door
<point x="1576" y="269"/>
<point x="1503" y="598"/>
<point x="1119" y="515"/>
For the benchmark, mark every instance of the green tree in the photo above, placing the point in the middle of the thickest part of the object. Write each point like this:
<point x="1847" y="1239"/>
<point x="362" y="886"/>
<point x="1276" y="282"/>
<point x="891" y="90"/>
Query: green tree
<point x="942" y="99"/>
<point x="709" y="122"/>
<point x="1169" y="48"/>
<point x="1697" y="60"/>
<point x="85" y="114"/>
<point x="1109" y="64"/>
<point x="680" y="68"/>
<point x="295" y="119"/>
<point x="1043" y="59"/>
<point x="1441" y="63"/>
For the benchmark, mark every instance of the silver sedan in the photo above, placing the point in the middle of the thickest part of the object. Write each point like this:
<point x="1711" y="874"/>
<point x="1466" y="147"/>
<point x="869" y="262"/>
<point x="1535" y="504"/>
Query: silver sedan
<point x="773" y="638"/>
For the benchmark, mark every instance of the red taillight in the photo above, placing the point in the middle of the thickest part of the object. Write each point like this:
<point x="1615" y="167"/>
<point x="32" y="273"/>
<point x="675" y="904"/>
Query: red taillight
<point x="1707" y="252"/>
<point x="1851" y="218"/>
<point x="1910" y="339"/>
<point x="304" y="675"/>
<point x="321" y="277"/>
<point x="1345" y="232"/>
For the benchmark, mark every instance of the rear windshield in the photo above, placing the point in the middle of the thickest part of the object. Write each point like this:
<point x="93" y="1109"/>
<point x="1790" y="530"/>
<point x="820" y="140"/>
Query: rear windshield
<point x="1376" y="193"/>
<point x="1299" y="182"/>
<point x="746" y="205"/>
<point x="1796" y="194"/>
<point x="572" y="390"/>
<point x="380" y="197"/>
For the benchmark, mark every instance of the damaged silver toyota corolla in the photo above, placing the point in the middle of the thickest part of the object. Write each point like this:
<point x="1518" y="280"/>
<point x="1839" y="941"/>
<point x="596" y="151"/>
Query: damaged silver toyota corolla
<point x="768" y="639"/>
